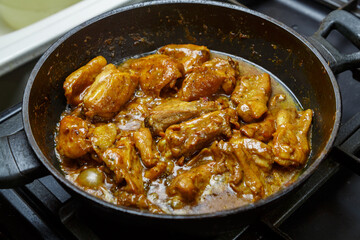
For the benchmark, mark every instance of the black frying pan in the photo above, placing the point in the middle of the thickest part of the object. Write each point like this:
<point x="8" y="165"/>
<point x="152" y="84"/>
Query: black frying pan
<point x="142" y="28"/>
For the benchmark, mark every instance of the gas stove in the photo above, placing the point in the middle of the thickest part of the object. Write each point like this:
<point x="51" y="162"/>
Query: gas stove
<point x="326" y="206"/>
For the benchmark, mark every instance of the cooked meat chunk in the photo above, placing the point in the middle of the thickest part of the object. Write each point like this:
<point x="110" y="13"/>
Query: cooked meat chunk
<point x="207" y="79"/>
<point x="126" y="165"/>
<point x="157" y="72"/>
<point x="260" y="152"/>
<point x="290" y="144"/>
<point x="188" y="137"/>
<point x="136" y="200"/>
<point x="251" y="96"/>
<point x="176" y="111"/>
<point x="189" y="55"/>
<point x="110" y="91"/>
<point x="75" y="84"/>
<point x="251" y="175"/>
<point x="103" y="137"/>
<point x="156" y="171"/>
<point x="190" y="184"/>
<point x="72" y="138"/>
<point x="261" y="131"/>
<point x="144" y="143"/>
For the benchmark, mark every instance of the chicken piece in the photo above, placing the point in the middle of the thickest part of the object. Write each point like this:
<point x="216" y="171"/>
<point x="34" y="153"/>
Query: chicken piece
<point x="251" y="175"/>
<point x="76" y="83"/>
<point x="261" y="131"/>
<point x="190" y="184"/>
<point x="290" y="143"/>
<point x="251" y="96"/>
<point x="207" y="79"/>
<point x="176" y="111"/>
<point x="110" y="91"/>
<point x="260" y="152"/>
<point x="188" y="54"/>
<point x="144" y="143"/>
<point x="72" y="138"/>
<point x="157" y="72"/>
<point x="224" y="152"/>
<point x="103" y="137"/>
<point x="188" y="137"/>
<point x="126" y="165"/>
<point x="156" y="171"/>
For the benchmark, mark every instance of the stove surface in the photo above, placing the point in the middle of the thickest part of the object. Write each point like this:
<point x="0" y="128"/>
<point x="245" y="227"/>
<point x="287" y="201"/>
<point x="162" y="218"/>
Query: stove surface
<point x="43" y="209"/>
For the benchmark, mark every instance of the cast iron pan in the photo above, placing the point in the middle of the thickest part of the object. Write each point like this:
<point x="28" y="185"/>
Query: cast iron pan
<point x="145" y="27"/>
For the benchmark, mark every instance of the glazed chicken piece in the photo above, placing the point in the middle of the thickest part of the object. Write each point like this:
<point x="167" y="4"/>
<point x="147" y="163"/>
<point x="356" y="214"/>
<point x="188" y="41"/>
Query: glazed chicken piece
<point x="125" y="164"/>
<point x="157" y="72"/>
<point x="110" y="91"/>
<point x="136" y="200"/>
<point x="263" y="131"/>
<point x="188" y="137"/>
<point x="176" y="111"/>
<point x="77" y="83"/>
<point x="103" y="137"/>
<point x="72" y="138"/>
<point x="190" y="184"/>
<point x="260" y="152"/>
<point x="144" y="143"/>
<point x="188" y="54"/>
<point x="290" y="143"/>
<point x="250" y="171"/>
<point x="207" y="79"/>
<point x="251" y="96"/>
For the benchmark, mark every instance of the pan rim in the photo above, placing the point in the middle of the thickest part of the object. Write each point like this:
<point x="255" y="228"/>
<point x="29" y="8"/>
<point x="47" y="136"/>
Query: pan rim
<point x="261" y="203"/>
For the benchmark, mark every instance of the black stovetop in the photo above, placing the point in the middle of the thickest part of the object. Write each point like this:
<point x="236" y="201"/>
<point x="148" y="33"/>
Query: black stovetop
<point x="327" y="207"/>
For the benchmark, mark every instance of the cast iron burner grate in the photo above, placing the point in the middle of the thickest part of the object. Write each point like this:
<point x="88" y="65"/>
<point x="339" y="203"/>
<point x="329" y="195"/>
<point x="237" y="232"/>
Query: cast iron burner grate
<point x="43" y="209"/>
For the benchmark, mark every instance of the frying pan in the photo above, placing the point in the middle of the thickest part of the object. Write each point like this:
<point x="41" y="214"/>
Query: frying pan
<point x="306" y="69"/>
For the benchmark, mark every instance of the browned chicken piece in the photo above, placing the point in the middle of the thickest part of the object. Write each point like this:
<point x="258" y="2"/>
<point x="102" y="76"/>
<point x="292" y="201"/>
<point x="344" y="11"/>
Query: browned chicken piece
<point x="136" y="200"/>
<point x="290" y="144"/>
<point x="156" y="171"/>
<point x="126" y="165"/>
<point x="188" y="54"/>
<point x="261" y="131"/>
<point x="264" y="130"/>
<point x="157" y="72"/>
<point x="251" y="96"/>
<point x="144" y="143"/>
<point x="190" y="184"/>
<point x="260" y="152"/>
<point x="72" y="138"/>
<point x="176" y="111"/>
<point x="76" y="83"/>
<point x="207" y="79"/>
<point x="188" y="137"/>
<point x="110" y="91"/>
<point x="251" y="176"/>
<point x="224" y="152"/>
<point x="103" y="137"/>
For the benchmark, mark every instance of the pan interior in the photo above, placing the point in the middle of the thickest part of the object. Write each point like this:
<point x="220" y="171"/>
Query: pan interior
<point x="132" y="31"/>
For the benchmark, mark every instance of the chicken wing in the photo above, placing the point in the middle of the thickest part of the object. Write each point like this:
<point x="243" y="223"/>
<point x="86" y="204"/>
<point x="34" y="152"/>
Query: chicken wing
<point x="144" y="143"/>
<point x="110" y="91"/>
<point x="188" y="54"/>
<point x="290" y="143"/>
<point x="188" y="137"/>
<point x="176" y="111"/>
<point x="157" y="72"/>
<point x="251" y="96"/>
<point x="73" y="141"/>
<point x="207" y="79"/>
<point x="76" y="83"/>
<point x="125" y="164"/>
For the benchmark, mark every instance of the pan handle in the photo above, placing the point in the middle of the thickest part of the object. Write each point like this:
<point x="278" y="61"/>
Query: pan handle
<point x="18" y="163"/>
<point x="349" y="26"/>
